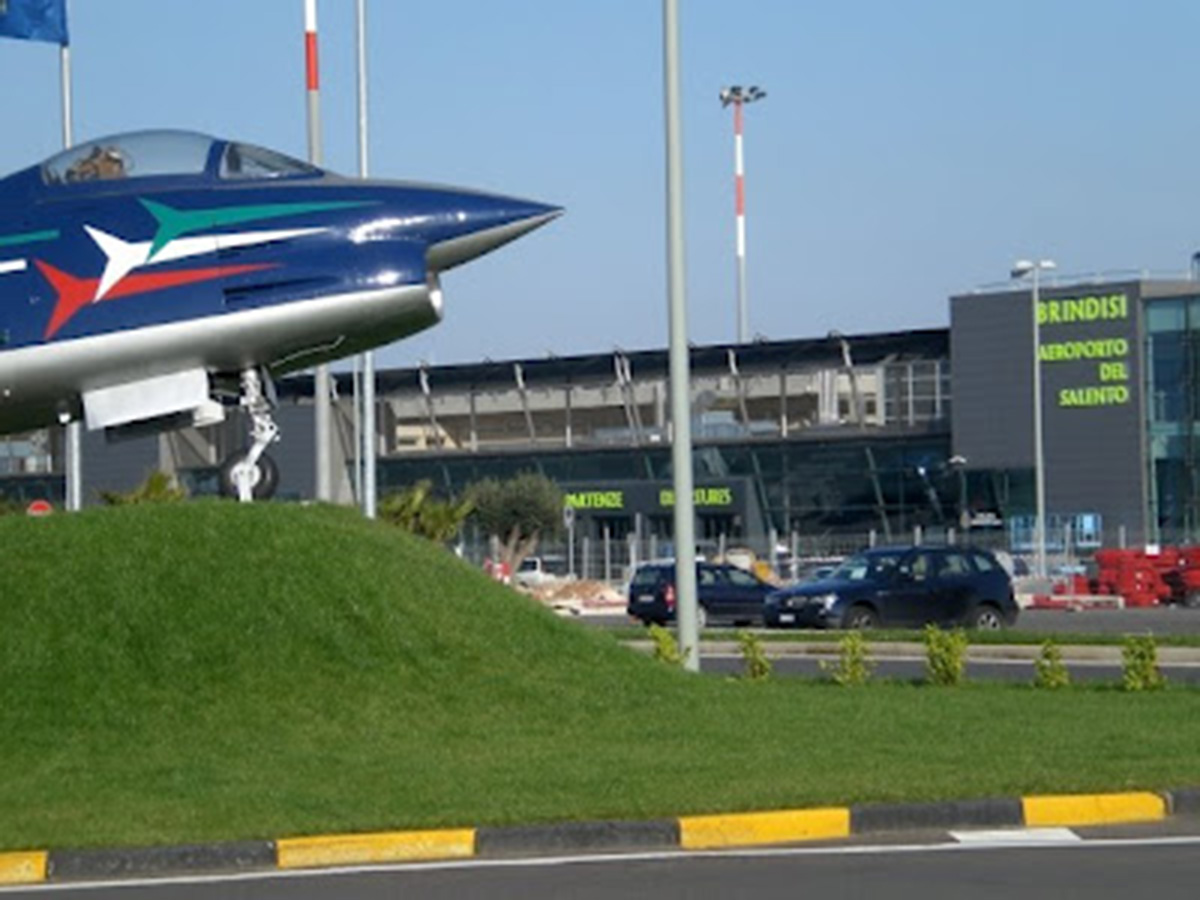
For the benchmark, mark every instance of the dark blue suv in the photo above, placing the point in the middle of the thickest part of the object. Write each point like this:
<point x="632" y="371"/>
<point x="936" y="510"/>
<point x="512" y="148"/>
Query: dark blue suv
<point x="723" y="592"/>
<point x="901" y="587"/>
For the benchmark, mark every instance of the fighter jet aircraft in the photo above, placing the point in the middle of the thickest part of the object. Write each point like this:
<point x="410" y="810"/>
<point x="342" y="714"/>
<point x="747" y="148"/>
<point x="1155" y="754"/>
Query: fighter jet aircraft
<point x="150" y="279"/>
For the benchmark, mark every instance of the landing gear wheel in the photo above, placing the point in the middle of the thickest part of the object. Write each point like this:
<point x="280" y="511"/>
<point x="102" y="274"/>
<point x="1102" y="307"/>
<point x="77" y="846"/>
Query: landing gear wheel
<point x="264" y="476"/>
<point x="251" y="475"/>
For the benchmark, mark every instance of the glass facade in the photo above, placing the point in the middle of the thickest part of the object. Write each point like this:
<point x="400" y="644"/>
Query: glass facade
<point x="1172" y="398"/>
<point x="847" y="486"/>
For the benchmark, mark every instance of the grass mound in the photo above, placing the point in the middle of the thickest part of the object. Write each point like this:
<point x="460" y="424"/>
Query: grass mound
<point x="210" y="671"/>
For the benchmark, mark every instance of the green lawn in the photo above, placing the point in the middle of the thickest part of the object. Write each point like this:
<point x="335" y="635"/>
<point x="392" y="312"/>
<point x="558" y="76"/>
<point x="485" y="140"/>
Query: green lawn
<point x="210" y="671"/>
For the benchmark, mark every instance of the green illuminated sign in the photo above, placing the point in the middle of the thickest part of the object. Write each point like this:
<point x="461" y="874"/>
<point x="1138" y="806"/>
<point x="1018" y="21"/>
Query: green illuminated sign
<point x="1083" y="309"/>
<point x="595" y="500"/>
<point x="1109" y="353"/>
<point x="702" y="496"/>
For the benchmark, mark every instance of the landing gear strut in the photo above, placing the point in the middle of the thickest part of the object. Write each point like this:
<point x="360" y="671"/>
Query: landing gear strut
<point x="252" y="475"/>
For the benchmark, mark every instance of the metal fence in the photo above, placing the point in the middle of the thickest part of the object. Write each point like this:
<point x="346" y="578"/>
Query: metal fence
<point x="789" y="557"/>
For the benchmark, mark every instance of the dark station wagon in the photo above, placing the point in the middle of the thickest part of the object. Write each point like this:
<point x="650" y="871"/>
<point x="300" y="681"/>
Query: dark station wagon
<point x="901" y="587"/>
<point x="723" y="592"/>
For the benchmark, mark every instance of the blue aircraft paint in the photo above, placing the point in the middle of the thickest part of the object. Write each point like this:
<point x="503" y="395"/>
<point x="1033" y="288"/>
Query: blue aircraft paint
<point x="152" y="255"/>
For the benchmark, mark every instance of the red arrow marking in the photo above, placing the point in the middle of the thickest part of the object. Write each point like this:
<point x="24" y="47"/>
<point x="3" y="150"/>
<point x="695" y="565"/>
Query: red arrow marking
<point x="76" y="293"/>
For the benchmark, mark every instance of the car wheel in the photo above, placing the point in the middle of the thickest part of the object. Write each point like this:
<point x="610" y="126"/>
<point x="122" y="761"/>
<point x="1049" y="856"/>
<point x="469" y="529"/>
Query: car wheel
<point x="987" y="618"/>
<point x="701" y="617"/>
<point x="860" y="618"/>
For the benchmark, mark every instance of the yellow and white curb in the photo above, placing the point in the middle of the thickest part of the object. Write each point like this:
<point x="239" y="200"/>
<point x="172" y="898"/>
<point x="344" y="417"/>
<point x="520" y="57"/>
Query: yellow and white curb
<point x="1050" y="813"/>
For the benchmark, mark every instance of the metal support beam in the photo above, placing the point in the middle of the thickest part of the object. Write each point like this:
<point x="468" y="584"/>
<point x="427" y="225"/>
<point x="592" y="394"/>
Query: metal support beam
<point x="423" y="377"/>
<point x="519" y="373"/>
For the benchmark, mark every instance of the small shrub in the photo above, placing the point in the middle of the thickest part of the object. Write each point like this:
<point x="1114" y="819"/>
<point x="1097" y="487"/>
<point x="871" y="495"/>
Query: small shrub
<point x="1049" y="670"/>
<point x="159" y="487"/>
<point x="1139" y="656"/>
<point x="757" y="666"/>
<point x="946" y="655"/>
<point x="854" y="665"/>
<point x="665" y="647"/>
<point x="415" y="510"/>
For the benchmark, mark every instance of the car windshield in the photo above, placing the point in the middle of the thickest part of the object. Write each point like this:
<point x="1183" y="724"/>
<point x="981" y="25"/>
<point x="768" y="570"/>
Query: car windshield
<point x="649" y="575"/>
<point x="867" y="567"/>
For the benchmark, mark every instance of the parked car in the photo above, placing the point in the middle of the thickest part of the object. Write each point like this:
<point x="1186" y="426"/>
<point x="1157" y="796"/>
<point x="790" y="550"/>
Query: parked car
<point x="536" y="571"/>
<point x="902" y="587"/>
<point x="724" y="592"/>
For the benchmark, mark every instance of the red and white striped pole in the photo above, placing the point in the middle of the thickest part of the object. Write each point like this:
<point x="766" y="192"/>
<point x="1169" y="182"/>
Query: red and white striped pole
<point x="739" y="97"/>
<point x="322" y="404"/>
<point x="312" y="79"/>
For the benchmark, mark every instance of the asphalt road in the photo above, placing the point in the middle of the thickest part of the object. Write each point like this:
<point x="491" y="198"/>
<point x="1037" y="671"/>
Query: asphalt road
<point x="1056" y="866"/>
<point x="1159" y="620"/>
<point x="1151" y="620"/>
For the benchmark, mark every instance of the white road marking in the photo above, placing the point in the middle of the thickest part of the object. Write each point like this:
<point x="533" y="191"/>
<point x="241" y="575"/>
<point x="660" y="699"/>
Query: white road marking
<point x="12" y="265"/>
<point x="1009" y="836"/>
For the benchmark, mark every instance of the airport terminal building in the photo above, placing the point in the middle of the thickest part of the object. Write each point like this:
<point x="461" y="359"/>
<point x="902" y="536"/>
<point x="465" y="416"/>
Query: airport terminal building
<point x="835" y="439"/>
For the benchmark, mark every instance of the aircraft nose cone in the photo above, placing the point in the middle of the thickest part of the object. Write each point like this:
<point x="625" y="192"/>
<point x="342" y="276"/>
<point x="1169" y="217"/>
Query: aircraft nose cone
<point x="483" y="222"/>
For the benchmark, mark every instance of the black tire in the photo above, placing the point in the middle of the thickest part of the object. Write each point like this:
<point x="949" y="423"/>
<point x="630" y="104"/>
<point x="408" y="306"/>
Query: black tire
<point x="1190" y="601"/>
<point x="986" y="618"/>
<point x="266" y="476"/>
<point x="860" y="618"/>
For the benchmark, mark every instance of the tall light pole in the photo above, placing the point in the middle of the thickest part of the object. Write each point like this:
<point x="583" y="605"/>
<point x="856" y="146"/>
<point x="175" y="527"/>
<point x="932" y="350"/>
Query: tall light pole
<point x="1022" y="268"/>
<point x="686" y="606"/>
<point x="737" y="97"/>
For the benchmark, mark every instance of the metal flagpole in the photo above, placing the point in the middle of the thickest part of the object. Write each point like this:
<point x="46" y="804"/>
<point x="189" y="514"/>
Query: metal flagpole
<point x="74" y="430"/>
<point x="321" y="378"/>
<point x="367" y="445"/>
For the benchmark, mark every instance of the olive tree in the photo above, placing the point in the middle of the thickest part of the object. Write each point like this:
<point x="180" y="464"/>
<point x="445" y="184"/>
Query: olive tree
<point x="415" y="510"/>
<point x="518" y="511"/>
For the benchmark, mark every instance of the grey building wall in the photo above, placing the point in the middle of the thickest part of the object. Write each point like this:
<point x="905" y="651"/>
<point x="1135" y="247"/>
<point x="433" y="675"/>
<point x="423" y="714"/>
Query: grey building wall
<point x="1092" y="396"/>
<point x="119" y="465"/>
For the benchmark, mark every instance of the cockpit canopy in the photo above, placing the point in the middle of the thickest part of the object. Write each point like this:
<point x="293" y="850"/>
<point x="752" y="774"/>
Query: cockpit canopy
<point x="145" y="154"/>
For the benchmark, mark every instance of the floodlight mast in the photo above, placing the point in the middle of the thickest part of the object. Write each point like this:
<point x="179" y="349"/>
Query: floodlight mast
<point x="1028" y="268"/>
<point x="737" y="96"/>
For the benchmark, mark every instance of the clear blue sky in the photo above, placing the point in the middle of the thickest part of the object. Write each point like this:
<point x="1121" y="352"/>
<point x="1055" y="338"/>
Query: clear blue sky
<point x="906" y="151"/>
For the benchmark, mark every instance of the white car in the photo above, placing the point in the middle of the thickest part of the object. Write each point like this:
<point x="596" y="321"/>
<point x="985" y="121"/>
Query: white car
<point x="537" y="571"/>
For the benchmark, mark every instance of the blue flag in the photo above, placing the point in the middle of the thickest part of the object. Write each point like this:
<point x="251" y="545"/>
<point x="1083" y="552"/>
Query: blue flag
<point x="34" y="20"/>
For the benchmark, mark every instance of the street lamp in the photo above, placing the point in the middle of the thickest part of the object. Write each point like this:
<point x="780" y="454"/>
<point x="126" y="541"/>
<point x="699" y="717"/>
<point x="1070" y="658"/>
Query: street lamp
<point x="958" y="463"/>
<point x="1022" y="268"/>
<point x="737" y="96"/>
